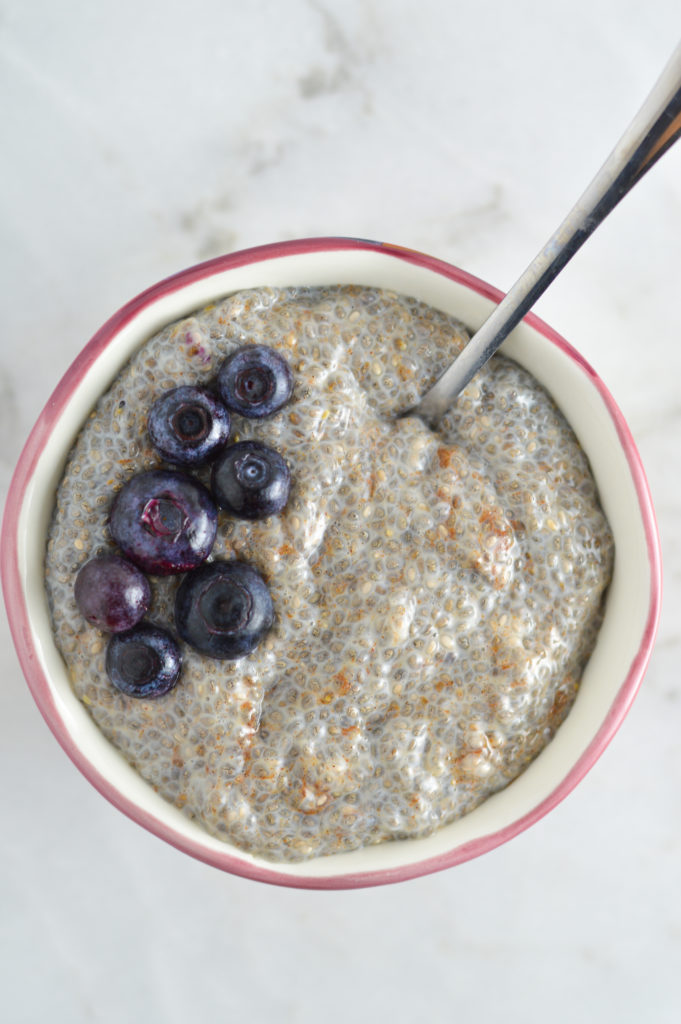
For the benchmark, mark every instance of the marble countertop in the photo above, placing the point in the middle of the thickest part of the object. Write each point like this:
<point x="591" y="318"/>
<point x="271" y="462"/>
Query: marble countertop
<point x="145" y="136"/>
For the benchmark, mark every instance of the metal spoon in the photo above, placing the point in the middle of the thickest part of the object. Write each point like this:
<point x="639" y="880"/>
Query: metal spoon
<point x="656" y="126"/>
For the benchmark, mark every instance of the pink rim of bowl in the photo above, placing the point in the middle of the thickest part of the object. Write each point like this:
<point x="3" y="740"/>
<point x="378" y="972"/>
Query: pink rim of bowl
<point x="617" y="665"/>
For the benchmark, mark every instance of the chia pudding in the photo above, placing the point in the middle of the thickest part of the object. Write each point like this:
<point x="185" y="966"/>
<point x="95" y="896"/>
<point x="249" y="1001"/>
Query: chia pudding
<point x="436" y="594"/>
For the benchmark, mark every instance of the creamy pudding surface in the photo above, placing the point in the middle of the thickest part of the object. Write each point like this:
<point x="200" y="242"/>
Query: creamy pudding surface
<point x="436" y="594"/>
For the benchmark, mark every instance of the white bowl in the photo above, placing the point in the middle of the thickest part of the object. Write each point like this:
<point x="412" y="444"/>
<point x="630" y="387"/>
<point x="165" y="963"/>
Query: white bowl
<point x="615" y="669"/>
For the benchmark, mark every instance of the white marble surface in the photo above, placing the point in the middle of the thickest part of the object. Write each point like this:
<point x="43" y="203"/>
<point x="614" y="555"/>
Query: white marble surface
<point x="140" y="137"/>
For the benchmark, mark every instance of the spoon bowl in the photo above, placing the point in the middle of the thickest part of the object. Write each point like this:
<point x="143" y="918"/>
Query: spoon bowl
<point x="625" y="641"/>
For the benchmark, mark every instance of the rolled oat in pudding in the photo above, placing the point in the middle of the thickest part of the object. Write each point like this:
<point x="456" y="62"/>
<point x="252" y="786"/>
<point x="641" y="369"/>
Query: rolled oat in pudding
<point x="436" y="595"/>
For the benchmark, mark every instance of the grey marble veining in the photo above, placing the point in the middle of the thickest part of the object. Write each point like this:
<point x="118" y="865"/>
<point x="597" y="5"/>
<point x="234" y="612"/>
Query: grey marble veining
<point x="140" y="138"/>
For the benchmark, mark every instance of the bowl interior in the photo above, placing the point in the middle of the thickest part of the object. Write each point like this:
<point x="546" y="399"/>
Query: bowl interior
<point x="612" y="675"/>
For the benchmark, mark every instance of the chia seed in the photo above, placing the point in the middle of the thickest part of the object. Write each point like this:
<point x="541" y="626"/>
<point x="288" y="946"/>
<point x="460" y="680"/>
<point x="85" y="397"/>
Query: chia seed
<point x="437" y="595"/>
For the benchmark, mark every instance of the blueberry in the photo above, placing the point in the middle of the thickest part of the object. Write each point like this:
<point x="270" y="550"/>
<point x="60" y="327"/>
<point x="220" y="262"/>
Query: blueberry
<point x="188" y="425"/>
<point x="112" y="593"/>
<point x="223" y="609"/>
<point x="164" y="521"/>
<point x="255" y="381"/>
<point x="250" y="480"/>
<point x="144" y="661"/>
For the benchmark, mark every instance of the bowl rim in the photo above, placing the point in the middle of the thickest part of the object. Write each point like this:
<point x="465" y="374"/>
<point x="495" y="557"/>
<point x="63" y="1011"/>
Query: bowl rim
<point x="25" y="644"/>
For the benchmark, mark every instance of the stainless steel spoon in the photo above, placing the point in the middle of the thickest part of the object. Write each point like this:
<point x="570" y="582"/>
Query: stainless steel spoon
<point x="656" y="126"/>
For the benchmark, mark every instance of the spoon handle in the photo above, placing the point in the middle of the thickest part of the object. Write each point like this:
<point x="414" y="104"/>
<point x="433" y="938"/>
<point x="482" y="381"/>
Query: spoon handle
<point x="656" y="126"/>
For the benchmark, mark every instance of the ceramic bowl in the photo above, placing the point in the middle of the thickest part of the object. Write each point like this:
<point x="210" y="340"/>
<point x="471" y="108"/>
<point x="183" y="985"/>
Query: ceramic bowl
<point x="613" y="674"/>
